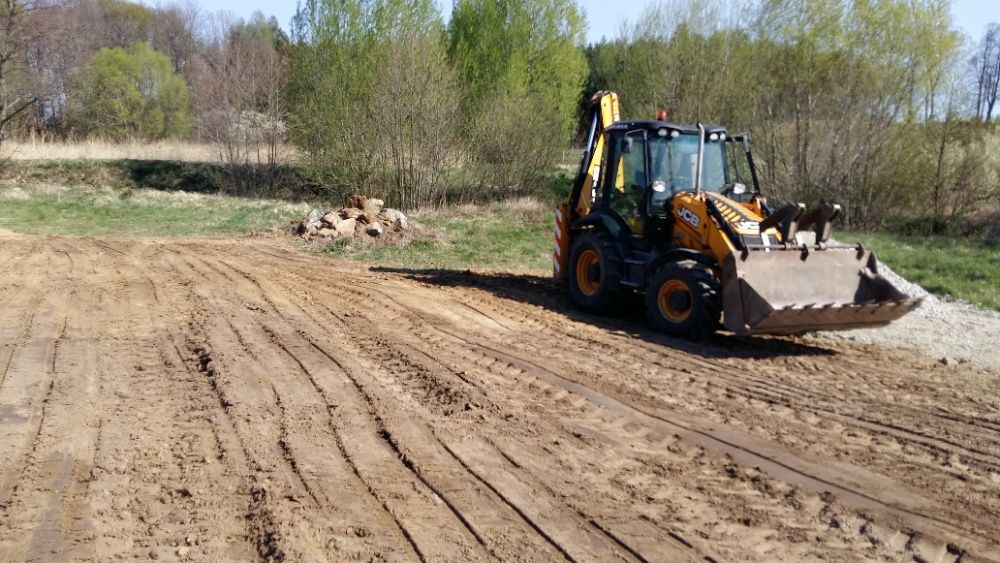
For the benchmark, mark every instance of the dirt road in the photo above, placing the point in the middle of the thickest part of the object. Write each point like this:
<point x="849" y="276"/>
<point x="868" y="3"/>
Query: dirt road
<point x="232" y="400"/>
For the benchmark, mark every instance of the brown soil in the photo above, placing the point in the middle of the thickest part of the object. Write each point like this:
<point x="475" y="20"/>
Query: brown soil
<point x="231" y="400"/>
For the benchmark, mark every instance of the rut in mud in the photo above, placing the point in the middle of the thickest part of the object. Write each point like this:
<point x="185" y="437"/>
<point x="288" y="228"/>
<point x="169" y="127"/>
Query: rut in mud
<point x="233" y="400"/>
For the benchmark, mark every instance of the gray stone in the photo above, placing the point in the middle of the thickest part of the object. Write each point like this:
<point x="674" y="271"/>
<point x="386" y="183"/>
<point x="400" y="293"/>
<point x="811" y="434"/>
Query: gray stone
<point x="346" y="227"/>
<point x="374" y="229"/>
<point x="397" y="218"/>
<point x="312" y="222"/>
<point x="374" y="206"/>
<point x="331" y="218"/>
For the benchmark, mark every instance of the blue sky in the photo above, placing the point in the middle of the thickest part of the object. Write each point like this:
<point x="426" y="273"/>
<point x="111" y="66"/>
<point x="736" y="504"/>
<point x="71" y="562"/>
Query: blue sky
<point x="604" y="16"/>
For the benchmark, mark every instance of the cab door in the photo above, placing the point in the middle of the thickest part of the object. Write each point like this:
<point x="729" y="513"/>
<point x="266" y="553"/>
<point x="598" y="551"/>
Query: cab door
<point x="626" y="179"/>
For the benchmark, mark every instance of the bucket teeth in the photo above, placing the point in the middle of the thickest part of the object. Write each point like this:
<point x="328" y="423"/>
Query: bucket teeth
<point x="831" y="316"/>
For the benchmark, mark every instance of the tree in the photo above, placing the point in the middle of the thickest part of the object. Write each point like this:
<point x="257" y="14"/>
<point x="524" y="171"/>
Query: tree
<point x="852" y="81"/>
<point x="242" y="100"/>
<point x="521" y="66"/>
<point x="176" y="34"/>
<point x="120" y="23"/>
<point x="416" y="107"/>
<point x="985" y="65"/>
<point x="371" y="96"/>
<point x="690" y="58"/>
<point x="18" y="90"/>
<point x="128" y="93"/>
<point x="62" y="38"/>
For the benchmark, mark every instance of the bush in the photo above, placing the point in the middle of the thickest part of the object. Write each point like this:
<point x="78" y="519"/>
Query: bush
<point x="373" y="99"/>
<point x="131" y="93"/>
<point x="522" y="68"/>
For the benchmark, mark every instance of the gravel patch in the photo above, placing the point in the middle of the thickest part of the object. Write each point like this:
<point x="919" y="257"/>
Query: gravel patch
<point x="948" y="330"/>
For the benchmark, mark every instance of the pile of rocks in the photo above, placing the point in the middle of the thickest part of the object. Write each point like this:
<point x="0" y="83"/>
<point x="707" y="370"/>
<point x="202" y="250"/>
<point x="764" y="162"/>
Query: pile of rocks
<point x="361" y="219"/>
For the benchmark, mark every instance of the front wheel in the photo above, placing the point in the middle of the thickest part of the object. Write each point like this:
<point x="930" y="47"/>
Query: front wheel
<point x="683" y="300"/>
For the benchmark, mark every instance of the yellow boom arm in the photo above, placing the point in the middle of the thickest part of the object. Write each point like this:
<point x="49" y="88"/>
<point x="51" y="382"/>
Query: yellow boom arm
<point x="604" y="112"/>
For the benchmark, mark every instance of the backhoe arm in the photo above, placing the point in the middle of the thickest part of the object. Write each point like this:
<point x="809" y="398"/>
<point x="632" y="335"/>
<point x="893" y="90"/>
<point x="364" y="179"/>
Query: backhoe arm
<point x="604" y="112"/>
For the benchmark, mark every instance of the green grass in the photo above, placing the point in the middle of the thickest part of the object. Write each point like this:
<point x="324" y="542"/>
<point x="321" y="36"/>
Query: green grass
<point x="126" y="212"/>
<point x="518" y="236"/>
<point x="512" y="236"/>
<point x="963" y="268"/>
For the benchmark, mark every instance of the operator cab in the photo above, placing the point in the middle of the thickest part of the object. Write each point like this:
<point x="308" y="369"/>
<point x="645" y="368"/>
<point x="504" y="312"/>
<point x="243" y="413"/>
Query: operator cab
<point x="646" y="162"/>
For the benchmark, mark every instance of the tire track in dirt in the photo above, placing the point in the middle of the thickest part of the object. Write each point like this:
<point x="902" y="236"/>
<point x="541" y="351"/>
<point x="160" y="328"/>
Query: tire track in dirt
<point x="871" y="424"/>
<point x="262" y="533"/>
<point x="941" y="448"/>
<point x="65" y="469"/>
<point x="264" y="497"/>
<point x="26" y="399"/>
<point x="387" y="434"/>
<point x="158" y="487"/>
<point x="13" y="342"/>
<point x="985" y="536"/>
<point x="485" y="466"/>
<point x="396" y="369"/>
<point x="564" y="395"/>
<point x="366" y="393"/>
<point x="789" y="471"/>
<point x="283" y="408"/>
<point x="73" y="250"/>
<point x="42" y="471"/>
<point x="359" y="465"/>
<point x="757" y="387"/>
<point x="252" y="336"/>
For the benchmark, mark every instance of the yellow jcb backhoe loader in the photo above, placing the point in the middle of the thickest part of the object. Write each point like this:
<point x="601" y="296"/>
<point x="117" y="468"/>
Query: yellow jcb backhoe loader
<point x="675" y="212"/>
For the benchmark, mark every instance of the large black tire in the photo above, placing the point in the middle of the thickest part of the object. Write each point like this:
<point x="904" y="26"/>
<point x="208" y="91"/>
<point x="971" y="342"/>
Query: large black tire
<point x="595" y="273"/>
<point x="683" y="300"/>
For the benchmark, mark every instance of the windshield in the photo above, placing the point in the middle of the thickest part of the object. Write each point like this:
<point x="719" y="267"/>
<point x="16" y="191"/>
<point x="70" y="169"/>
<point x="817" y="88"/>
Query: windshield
<point x="674" y="161"/>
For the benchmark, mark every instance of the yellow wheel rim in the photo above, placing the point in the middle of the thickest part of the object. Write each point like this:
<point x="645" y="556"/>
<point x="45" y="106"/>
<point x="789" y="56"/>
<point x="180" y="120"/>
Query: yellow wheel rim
<point x="669" y="311"/>
<point x="588" y="259"/>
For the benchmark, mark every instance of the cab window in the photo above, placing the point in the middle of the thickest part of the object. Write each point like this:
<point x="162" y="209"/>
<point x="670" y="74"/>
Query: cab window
<point x="628" y="178"/>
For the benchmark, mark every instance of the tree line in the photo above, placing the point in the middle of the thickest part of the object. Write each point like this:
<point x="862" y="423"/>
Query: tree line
<point x="876" y="104"/>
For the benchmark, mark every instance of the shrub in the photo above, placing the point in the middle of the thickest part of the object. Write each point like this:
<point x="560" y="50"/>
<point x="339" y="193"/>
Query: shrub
<point x="128" y="93"/>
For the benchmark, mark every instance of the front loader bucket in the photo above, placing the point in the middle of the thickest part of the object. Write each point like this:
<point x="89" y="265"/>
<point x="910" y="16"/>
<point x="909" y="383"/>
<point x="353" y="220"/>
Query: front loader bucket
<point x="778" y="291"/>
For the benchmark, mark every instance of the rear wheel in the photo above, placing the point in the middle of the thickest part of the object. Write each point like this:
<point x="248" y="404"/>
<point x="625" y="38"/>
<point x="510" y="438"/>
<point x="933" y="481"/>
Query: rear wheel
<point x="595" y="273"/>
<point x="683" y="300"/>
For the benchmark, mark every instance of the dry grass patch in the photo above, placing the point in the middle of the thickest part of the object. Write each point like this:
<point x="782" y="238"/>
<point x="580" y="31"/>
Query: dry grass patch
<point x="96" y="149"/>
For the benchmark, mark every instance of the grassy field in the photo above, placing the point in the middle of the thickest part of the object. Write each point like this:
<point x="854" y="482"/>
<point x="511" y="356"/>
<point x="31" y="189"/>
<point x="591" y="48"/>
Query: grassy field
<point x="957" y="267"/>
<point x="127" y="212"/>
<point x="518" y="236"/>
<point x="513" y="235"/>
